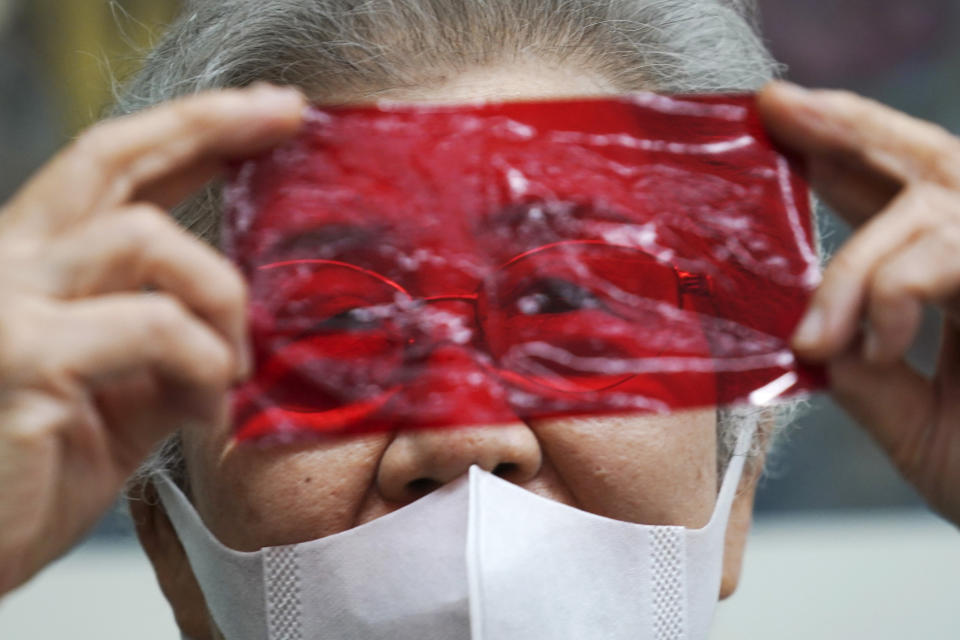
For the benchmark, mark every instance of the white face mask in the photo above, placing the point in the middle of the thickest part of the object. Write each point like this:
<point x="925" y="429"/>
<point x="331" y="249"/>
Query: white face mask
<point x="478" y="559"/>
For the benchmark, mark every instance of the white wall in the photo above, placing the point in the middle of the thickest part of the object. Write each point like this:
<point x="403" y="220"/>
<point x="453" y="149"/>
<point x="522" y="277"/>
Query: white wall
<point x="878" y="577"/>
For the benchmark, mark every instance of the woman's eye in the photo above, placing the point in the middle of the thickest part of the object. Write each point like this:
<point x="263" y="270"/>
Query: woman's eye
<point x="356" y="319"/>
<point x="553" y="295"/>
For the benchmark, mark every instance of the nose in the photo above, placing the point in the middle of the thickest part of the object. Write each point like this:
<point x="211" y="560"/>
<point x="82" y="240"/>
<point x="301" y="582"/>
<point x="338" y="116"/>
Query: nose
<point x="448" y="385"/>
<point x="417" y="462"/>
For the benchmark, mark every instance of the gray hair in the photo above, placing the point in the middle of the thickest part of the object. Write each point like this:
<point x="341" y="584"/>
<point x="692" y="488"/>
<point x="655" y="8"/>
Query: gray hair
<point x="346" y="49"/>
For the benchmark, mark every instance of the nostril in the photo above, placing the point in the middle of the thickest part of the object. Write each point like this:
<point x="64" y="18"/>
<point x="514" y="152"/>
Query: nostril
<point x="422" y="486"/>
<point x="419" y="461"/>
<point x="505" y="469"/>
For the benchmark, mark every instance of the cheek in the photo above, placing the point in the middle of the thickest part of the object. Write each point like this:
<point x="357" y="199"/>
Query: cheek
<point x="251" y="497"/>
<point x="649" y="469"/>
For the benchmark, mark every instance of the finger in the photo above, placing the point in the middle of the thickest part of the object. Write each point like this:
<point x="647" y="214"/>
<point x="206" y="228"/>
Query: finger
<point x="26" y="471"/>
<point x="140" y="410"/>
<point x="142" y="246"/>
<point x="948" y="365"/>
<point x="838" y="123"/>
<point x="833" y="317"/>
<point x="179" y="185"/>
<point x="118" y="159"/>
<point x="944" y="494"/>
<point x="927" y="270"/>
<point x="892" y="325"/>
<point x="853" y="191"/>
<point x="93" y="341"/>
<point x="894" y="403"/>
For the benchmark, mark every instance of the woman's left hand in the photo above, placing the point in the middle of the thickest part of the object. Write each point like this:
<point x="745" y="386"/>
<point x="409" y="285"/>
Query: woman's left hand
<point x="897" y="181"/>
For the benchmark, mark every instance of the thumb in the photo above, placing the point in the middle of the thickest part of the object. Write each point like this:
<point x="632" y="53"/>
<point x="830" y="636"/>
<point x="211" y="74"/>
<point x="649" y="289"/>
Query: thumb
<point x="897" y="406"/>
<point x="892" y="402"/>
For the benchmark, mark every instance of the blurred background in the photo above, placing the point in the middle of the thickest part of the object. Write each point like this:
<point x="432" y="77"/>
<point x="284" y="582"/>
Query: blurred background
<point x="842" y="547"/>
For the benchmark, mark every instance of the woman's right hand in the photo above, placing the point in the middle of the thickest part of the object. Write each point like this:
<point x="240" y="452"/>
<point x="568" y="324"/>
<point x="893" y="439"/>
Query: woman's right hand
<point x="94" y="370"/>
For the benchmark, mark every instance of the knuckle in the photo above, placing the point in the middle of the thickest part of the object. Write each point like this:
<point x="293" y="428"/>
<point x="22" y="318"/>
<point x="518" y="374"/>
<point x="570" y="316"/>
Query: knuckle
<point x="923" y="193"/>
<point x="229" y="296"/>
<point x="843" y="266"/>
<point x="93" y="146"/>
<point x="887" y="284"/>
<point x="935" y="157"/>
<point x="142" y="224"/>
<point x="148" y="217"/>
<point x="171" y="328"/>
<point x="950" y="238"/>
<point x="22" y="317"/>
<point x="35" y="416"/>
<point x="924" y="202"/>
<point x="838" y="284"/>
<point x="164" y="317"/>
<point x="940" y="160"/>
<point x="218" y="368"/>
<point x="197" y="112"/>
<point x="946" y="154"/>
<point x="211" y="363"/>
<point x="24" y="354"/>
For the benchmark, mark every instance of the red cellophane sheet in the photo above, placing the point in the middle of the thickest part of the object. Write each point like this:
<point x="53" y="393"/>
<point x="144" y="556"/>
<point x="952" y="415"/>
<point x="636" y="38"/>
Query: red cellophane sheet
<point x="420" y="266"/>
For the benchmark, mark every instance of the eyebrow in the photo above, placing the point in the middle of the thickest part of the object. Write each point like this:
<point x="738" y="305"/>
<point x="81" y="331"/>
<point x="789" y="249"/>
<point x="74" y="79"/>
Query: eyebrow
<point x="342" y="241"/>
<point x="536" y="224"/>
<point x="515" y="214"/>
<point x="328" y="241"/>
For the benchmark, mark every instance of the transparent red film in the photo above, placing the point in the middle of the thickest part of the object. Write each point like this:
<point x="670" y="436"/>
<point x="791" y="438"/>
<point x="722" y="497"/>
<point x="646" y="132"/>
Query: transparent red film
<point x="433" y="266"/>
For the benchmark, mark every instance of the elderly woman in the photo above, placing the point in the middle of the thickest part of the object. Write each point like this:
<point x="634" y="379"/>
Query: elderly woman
<point x="95" y="371"/>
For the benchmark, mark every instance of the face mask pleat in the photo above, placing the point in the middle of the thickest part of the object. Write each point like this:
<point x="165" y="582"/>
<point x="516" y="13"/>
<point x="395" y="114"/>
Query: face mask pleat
<point x="477" y="559"/>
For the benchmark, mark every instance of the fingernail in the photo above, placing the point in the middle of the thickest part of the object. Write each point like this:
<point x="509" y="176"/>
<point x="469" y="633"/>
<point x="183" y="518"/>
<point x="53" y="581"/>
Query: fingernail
<point x="260" y="85"/>
<point x="791" y="90"/>
<point x="274" y="97"/>
<point x="811" y="328"/>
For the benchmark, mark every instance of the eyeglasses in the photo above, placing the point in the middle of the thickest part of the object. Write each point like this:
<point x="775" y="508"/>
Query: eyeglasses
<point x="560" y="324"/>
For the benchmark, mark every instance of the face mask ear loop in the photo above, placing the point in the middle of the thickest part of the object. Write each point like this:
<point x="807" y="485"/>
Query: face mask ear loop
<point x="186" y="521"/>
<point x="704" y="548"/>
<point x="217" y="568"/>
<point x="732" y="476"/>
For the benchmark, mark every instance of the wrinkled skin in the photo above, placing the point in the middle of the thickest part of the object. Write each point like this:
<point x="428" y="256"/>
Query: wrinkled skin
<point x="93" y="371"/>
